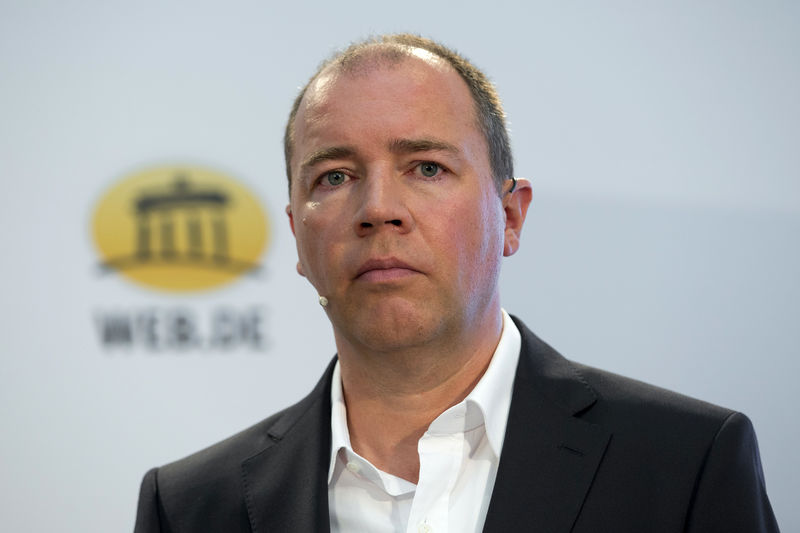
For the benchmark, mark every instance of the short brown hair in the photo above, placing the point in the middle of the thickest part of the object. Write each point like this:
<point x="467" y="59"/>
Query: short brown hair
<point x="488" y="108"/>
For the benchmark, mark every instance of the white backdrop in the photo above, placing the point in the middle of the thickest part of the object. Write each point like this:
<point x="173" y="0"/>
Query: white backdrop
<point x="661" y="138"/>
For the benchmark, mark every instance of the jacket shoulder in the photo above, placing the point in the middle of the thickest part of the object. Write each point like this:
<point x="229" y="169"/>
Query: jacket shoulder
<point x="209" y="483"/>
<point x="616" y="402"/>
<point x="627" y="403"/>
<point x="698" y="459"/>
<point x="224" y="456"/>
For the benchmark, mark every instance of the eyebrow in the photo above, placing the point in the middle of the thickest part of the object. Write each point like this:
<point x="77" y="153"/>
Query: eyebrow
<point x="409" y="146"/>
<point x="396" y="146"/>
<point x="326" y="154"/>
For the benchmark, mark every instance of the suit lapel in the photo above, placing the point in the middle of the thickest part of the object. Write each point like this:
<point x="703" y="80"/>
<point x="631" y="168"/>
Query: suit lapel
<point x="286" y="487"/>
<point x="549" y="456"/>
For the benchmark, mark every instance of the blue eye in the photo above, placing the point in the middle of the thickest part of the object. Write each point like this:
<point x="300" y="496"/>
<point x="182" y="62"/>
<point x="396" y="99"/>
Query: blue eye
<point x="429" y="169"/>
<point x="335" y="177"/>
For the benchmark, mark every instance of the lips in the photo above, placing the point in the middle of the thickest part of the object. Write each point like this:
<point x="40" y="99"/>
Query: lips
<point x="384" y="269"/>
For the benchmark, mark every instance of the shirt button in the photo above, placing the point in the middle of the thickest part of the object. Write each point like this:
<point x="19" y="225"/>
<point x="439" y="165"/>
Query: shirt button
<point x="353" y="467"/>
<point x="425" y="528"/>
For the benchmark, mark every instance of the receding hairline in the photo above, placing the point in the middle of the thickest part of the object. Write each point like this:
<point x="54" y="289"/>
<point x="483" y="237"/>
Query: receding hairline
<point x="367" y="59"/>
<point x="378" y="55"/>
<point x="371" y="58"/>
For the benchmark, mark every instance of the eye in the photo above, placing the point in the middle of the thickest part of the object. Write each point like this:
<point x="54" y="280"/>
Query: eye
<point x="333" y="178"/>
<point x="429" y="169"/>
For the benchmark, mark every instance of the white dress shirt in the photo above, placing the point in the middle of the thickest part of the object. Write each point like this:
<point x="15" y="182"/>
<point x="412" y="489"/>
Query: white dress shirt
<point x="458" y="457"/>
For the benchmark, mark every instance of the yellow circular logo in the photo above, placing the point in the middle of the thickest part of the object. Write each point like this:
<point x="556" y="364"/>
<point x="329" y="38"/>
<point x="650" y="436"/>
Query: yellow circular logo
<point x="180" y="228"/>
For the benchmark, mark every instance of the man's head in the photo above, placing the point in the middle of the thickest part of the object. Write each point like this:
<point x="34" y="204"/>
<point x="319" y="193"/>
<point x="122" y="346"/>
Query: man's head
<point x="396" y="214"/>
<point x="392" y="49"/>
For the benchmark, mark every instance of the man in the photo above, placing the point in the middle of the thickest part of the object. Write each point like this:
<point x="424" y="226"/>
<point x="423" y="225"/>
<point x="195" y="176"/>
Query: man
<point x="441" y="412"/>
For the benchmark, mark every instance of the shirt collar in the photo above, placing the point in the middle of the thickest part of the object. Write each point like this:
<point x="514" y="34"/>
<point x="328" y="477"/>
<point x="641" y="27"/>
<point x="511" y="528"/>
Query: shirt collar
<point x="492" y="394"/>
<point x="340" y="435"/>
<point x="488" y="403"/>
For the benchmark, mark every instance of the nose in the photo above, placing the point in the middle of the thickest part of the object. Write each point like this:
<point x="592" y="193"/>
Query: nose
<point x="383" y="205"/>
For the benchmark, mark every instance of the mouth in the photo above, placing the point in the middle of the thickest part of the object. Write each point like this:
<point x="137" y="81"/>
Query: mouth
<point x="383" y="270"/>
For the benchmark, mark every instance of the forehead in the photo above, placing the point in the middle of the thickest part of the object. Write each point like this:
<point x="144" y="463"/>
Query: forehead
<point x="400" y="96"/>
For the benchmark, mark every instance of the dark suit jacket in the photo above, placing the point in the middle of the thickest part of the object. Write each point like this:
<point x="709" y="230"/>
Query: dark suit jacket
<point x="585" y="451"/>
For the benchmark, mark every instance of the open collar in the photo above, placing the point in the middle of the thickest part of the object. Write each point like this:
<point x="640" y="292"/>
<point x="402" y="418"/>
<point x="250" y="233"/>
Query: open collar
<point x="548" y="462"/>
<point x="486" y="404"/>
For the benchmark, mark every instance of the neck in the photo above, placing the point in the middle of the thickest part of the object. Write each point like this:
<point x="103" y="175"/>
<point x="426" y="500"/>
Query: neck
<point x="393" y="396"/>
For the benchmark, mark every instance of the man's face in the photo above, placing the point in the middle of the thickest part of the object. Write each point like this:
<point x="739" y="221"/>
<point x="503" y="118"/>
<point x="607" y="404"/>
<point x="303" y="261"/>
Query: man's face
<point x="397" y="218"/>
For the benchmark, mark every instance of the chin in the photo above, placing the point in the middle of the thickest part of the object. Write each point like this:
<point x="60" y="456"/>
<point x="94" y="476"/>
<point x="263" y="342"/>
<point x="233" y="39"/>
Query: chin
<point x="396" y="327"/>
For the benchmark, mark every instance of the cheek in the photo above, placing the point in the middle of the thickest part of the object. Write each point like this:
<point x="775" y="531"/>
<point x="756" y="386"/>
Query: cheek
<point x="318" y="233"/>
<point x="481" y="240"/>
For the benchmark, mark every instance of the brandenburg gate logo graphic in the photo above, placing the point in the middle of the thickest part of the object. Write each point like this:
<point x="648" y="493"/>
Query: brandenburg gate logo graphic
<point x="180" y="229"/>
<point x="166" y="207"/>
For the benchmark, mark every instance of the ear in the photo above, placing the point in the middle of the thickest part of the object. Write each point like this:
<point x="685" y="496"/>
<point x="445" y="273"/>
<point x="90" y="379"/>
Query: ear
<point x="291" y="224"/>
<point x="515" y="205"/>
